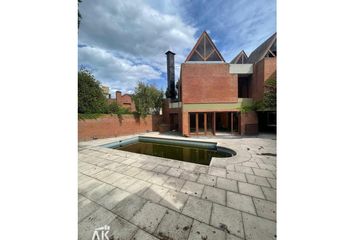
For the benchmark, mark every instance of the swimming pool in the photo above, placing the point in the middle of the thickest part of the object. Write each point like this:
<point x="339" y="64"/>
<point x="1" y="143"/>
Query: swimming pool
<point x="183" y="150"/>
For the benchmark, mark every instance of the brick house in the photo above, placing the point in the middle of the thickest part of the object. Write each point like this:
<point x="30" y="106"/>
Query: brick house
<point x="211" y="92"/>
<point x="124" y="100"/>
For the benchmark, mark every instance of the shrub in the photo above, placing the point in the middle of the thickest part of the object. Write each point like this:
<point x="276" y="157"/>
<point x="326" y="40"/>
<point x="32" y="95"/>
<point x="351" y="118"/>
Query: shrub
<point x="147" y="99"/>
<point x="90" y="96"/>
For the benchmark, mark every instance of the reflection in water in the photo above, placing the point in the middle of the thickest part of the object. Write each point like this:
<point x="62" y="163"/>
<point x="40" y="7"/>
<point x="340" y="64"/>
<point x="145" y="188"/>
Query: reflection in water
<point x="182" y="153"/>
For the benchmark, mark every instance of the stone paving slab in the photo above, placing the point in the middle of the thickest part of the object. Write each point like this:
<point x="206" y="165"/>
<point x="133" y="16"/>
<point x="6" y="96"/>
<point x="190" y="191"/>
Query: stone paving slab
<point x="86" y="207"/>
<point x="270" y="194"/>
<point x="265" y="209"/>
<point x="250" y="189"/>
<point x="95" y="220"/>
<point x="112" y="178"/>
<point x="174" y="183"/>
<point x="141" y="235"/>
<point x="243" y="169"/>
<point x="203" y="231"/>
<point x="132" y="171"/>
<point x="145" y="175"/>
<point x="149" y="216"/>
<point x="99" y="191"/>
<point x="207" y="179"/>
<point x="220" y="172"/>
<point x="192" y="188"/>
<point x="146" y="197"/>
<point x="272" y="182"/>
<point x="88" y="185"/>
<point x="240" y="202"/>
<point x="232" y="237"/>
<point x="155" y="193"/>
<point x="124" y="182"/>
<point x="227" y="184"/>
<point x="215" y="195"/>
<point x="198" y="209"/>
<point x="257" y="180"/>
<point x="127" y="207"/>
<point x="138" y="187"/>
<point x="83" y="178"/>
<point x="103" y="174"/>
<point x="228" y="219"/>
<point x="263" y="173"/>
<point x="257" y="228"/>
<point x="158" y="178"/>
<point x="111" y="199"/>
<point x="267" y="166"/>
<point x="121" y="229"/>
<point x="190" y="176"/>
<point x="160" y="169"/>
<point x="201" y="169"/>
<point x="174" y="226"/>
<point x="174" y="172"/>
<point x="174" y="200"/>
<point x="236" y="176"/>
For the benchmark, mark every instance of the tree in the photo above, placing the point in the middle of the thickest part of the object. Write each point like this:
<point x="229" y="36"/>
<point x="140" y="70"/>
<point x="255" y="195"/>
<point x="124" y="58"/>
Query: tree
<point x="269" y="101"/>
<point x="147" y="99"/>
<point x="90" y="96"/>
<point x="270" y="93"/>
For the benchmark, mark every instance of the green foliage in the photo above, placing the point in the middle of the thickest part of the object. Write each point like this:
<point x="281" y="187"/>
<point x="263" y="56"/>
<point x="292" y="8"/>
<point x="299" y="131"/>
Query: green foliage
<point x="114" y="108"/>
<point x="90" y="96"/>
<point x="270" y="93"/>
<point x="248" y="107"/>
<point x="83" y="116"/>
<point x="123" y="110"/>
<point x="252" y="106"/>
<point x="147" y="99"/>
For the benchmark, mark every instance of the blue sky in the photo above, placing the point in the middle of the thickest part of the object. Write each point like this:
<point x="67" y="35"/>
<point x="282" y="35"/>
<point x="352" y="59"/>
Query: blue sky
<point x="124" y="42"/>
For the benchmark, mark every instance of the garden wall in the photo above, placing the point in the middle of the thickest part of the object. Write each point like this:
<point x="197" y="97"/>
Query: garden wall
<point x="112" y="126"/>
<point x="249" y="123"/>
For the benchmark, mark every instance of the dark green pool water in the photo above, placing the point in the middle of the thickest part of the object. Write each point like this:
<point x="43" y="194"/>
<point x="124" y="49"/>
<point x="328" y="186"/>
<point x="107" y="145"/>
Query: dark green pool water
<point x="182" y="153"/>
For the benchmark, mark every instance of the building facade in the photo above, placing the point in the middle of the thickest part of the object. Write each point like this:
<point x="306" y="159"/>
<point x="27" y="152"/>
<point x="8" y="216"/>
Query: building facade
<point x="124" y="101"/>
<point x="212" y="93"/>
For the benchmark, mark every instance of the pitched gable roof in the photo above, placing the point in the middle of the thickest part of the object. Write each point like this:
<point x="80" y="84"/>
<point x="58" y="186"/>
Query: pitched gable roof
<point x="267" y="48"/>
<point x="205" y="50"/>
<point x="240" y="58"/>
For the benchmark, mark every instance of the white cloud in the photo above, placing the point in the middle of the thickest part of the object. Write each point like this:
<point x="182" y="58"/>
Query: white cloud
<point x="134" y="30"/>
<point x="115" y="72"/>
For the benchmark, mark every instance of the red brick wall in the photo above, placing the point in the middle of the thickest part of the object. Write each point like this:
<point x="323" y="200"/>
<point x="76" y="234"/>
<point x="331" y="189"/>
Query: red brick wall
<point x="185" y="123"/>
<point x="111" y="126"/>
<point x="125" y="101"/>
<point x="208" y="83"/>
<point x="166" y="113"/>
<point x="261" y="72"/>
<point x="248" y="118"/>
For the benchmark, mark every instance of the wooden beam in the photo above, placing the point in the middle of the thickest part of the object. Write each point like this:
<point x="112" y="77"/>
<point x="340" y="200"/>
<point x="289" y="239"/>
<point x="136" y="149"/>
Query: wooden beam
<point x="205" y="123"/>
<point x="196" y="123"/>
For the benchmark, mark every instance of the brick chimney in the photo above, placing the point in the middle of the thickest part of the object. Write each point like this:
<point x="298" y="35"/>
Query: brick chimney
<point x="171" y="90"/>
<point x="118" y="97"/>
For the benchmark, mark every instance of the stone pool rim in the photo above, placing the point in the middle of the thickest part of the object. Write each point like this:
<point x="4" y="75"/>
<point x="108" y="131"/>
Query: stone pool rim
<point x="215" y="161"/>
<point x="243" y="154"/>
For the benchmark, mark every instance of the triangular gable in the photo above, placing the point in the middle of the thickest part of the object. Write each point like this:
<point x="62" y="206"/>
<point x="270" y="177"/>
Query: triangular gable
<point x="267" y="49"/>
<point x="240" y="58"/>
<point x="205" y="50"/>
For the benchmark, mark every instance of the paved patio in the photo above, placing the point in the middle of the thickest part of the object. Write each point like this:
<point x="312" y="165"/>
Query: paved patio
<point x="146" y="197"/>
